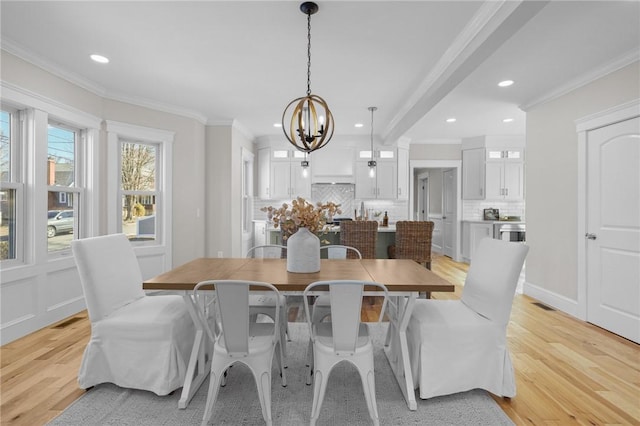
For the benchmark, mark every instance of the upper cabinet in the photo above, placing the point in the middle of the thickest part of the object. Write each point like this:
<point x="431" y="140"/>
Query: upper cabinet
<point x="473" y="174"/>
<point x="493" y="172"/>
<point x="282" y="176"/>
<point x="403" y="174"/>
<point x="383" y="184"/>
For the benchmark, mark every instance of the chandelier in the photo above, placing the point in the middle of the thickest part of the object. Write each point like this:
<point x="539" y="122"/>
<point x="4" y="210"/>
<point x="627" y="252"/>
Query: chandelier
<point x="307" y="121"/>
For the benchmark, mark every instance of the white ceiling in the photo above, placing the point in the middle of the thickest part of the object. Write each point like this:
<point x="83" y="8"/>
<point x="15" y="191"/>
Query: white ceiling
<point x="419" y="62"/>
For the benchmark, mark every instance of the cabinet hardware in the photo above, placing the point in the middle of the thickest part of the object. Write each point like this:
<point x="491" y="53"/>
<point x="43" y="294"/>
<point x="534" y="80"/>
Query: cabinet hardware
<point x="590" y="236"/>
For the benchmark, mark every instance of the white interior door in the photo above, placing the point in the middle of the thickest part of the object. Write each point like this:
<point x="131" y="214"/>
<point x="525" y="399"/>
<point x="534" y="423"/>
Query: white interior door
<point x="449" y="217"/>
<point x="613" y="228"/>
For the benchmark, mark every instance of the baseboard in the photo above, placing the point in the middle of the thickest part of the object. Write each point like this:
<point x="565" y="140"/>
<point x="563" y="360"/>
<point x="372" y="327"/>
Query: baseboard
<point x="557" y="301"/>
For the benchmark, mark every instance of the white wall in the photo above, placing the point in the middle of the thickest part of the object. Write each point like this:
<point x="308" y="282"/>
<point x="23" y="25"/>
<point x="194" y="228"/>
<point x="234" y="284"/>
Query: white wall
<point x="551" y="183"/>
<point x="43" y="291"/>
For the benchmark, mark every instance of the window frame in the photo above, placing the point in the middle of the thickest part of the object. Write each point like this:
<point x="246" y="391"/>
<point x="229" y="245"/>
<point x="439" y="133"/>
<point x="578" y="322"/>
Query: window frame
<point x="77" y="189"/>
<point x="123" y="132"/>
<point x="15" y="181"/>
<point x="35" y="113"/>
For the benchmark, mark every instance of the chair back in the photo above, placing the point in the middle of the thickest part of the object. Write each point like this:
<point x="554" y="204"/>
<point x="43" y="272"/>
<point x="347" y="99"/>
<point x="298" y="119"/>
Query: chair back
<point x="109" y="273"/>
<point x="337" y="251"/>
<point x="232" y="308"/>
<point x="493" y="277"/>
<point x="268" y="251"/>
<point x="346" y="302"/>
<point x="361" y="234"/>
<point x="413" y="241"/>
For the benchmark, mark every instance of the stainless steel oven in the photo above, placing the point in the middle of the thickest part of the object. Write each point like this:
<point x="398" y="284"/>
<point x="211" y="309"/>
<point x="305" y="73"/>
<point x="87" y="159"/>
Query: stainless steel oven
<point x="509" y="231"/>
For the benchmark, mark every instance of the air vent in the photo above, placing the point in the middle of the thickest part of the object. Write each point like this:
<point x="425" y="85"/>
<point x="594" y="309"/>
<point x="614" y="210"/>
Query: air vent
<point x="543" y="306"/>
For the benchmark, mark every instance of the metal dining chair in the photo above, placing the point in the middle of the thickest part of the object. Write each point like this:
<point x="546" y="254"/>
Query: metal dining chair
<point x="264" y="304"/>
<point x="237" y="339"/>
<point x="345" y="338"/>
<point x="321" y="306"/>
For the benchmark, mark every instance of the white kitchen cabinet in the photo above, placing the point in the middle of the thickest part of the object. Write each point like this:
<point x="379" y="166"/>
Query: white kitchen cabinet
<point x="505" y="180"/>
<point x="505" y="153"/>
<point x="493" y="173"/>
<point x="472" y="234"/>
<point x="403" y="174"/>
<point x="264" y="173"/>
<point x="382" y="186"/>
<point x="473" y="174"/>
<point x="285" y="175"/>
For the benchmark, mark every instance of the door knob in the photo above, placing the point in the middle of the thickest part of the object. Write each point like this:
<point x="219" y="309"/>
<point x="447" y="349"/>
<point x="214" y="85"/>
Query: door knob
<point x="590" y="236"/>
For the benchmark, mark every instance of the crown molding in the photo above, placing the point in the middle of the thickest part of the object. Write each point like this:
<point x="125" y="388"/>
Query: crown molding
<point x="584" y="79"/>
<point x="157" y="106"/>
<point x="15" y="49"/>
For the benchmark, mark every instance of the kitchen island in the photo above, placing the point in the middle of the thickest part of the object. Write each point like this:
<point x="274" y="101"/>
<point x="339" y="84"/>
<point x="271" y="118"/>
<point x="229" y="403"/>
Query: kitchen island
<point x="386" y="237"/>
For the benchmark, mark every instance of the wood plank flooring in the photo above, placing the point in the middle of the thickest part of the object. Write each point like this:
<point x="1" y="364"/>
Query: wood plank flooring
<point x="567" y="371"/>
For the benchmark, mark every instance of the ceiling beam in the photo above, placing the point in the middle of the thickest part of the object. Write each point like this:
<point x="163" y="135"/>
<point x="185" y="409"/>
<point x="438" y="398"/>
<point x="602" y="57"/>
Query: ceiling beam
<point x="493" y="24"/>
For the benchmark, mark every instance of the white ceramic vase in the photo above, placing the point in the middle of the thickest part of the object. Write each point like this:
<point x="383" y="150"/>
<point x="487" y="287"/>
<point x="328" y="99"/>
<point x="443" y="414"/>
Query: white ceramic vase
<point x="303" y="252"/>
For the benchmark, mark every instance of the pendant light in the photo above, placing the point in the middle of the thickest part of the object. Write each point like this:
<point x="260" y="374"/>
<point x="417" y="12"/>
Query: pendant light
<point x="305" y="166"/>
<point x="307" y="121"/>
<point x="372" y="162"/>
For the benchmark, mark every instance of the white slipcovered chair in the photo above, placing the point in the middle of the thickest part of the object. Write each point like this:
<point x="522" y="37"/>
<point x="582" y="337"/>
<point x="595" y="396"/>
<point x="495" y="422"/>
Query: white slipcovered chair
<point x="459" y="345"/>
<point x="237" y="339"/>
<point x="137" y="341"/>
<point x="345" y="338"/>
<point x="265" y="304"/>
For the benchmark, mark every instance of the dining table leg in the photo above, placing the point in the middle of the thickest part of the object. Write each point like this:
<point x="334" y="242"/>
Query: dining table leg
<point x="198" y="358"/>
<point x="397" y="349"/>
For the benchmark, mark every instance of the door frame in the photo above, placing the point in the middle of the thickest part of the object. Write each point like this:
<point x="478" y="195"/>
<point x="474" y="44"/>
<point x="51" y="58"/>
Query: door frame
<point x="583" y="126"/>
<point x="439" y="164"/>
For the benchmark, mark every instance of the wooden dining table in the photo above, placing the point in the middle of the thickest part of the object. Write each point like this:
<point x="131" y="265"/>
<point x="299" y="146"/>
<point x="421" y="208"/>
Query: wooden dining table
<point x="404" y="279"/>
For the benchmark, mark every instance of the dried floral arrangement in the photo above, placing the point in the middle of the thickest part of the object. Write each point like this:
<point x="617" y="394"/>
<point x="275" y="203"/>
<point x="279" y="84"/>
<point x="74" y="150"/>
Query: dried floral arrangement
<point x="302" y="213"/>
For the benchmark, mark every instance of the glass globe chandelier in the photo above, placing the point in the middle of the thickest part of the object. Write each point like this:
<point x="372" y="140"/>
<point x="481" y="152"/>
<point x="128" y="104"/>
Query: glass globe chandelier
<point x="307" y="121"/>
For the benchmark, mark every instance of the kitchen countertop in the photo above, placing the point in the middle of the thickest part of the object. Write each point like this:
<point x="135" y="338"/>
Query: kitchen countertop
<point x="493" y="221"/>
<point x="336" y="228"/>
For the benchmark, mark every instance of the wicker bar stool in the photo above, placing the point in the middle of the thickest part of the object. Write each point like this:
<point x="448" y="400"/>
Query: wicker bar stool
<point x="413" y="241"/>
<point x="361" y="234"/>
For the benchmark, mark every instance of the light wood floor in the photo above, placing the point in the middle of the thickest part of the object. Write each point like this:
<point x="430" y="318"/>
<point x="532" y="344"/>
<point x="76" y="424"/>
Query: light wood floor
<point x="568" y="371"/>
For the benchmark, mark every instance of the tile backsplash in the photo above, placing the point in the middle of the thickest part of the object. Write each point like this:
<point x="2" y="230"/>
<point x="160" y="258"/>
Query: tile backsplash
<point x="343" y="194"/>
<point x="473" y="209"/>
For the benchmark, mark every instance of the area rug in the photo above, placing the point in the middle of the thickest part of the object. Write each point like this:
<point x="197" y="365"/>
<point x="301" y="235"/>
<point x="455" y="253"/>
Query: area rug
<point x="238" y="404"/>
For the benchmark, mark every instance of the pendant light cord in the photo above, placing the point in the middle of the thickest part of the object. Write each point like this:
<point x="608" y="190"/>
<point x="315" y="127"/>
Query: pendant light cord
<point x="308" y="54"/>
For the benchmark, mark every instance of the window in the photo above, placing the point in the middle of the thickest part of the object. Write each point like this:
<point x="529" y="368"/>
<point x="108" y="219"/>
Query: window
<point x="11" y="187"/>
<point x="247" y="190"/>
<point x="139" y="185"/>
<point x="63" y="193"/>
<point x="139" y="189"/>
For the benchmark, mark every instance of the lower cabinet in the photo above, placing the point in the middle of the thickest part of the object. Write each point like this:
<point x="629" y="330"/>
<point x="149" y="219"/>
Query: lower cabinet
<point x="472" y="233"/>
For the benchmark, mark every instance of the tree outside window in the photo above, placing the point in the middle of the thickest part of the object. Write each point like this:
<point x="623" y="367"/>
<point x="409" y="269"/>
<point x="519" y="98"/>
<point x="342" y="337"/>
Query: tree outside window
<point x="138" y="177"/>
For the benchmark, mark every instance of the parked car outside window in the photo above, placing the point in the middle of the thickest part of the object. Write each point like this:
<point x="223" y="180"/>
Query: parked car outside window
<point x="59" y="222"/>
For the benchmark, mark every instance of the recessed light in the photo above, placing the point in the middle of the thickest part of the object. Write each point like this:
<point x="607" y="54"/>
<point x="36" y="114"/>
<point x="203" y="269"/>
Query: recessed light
<point x="277" y="124"/>
<point x="505" y="83"/>
<point x="358" y="125"/>
<point x="507" y="120"/>
<point x="99" y="59"/>
<point x="451" y="120"/>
